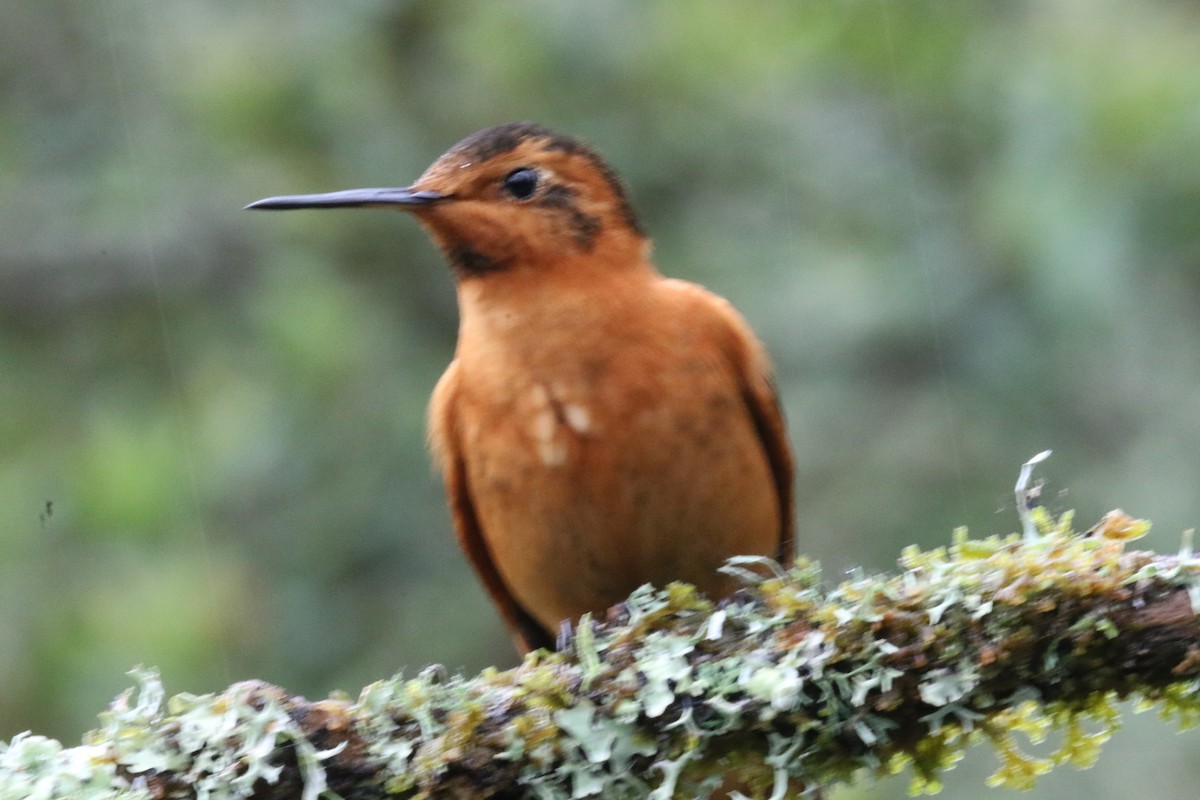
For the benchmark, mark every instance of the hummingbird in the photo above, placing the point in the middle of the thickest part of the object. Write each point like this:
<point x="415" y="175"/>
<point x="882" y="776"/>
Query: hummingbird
<point x="600" y="426"/>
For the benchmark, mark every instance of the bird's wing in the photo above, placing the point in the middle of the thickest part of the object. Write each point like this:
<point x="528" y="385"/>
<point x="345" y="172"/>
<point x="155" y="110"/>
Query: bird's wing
<point x="763" y="402"/>
<point x="753" y="372"/>
<point x="445" y="444"/>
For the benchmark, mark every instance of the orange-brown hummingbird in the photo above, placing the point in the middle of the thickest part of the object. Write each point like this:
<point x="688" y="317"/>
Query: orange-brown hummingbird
<point x="601" y="426"/>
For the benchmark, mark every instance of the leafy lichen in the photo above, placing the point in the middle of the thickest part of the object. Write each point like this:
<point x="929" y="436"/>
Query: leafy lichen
<point x="783" y="687"/>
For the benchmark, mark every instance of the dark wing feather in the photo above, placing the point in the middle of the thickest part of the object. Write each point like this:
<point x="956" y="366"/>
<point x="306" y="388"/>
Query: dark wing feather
<point x="763" y="402"/>
<point x="529" y="635"/>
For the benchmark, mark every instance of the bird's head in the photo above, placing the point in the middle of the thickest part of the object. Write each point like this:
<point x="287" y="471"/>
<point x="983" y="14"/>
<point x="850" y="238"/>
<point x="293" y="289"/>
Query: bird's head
<point x="512" y="195"/>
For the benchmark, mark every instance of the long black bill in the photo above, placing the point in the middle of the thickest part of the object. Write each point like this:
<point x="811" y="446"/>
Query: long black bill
<point x="351" y="198"/>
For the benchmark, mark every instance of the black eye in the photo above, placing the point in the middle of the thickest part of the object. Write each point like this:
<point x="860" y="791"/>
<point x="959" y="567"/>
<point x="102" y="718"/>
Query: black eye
<point x="521" y="183"/>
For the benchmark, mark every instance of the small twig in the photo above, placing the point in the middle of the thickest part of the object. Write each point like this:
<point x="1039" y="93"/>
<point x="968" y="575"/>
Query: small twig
<point x="1028" y="525"/>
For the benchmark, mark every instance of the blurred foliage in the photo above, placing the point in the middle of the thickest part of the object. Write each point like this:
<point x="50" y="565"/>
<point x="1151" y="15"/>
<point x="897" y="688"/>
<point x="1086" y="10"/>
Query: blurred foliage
<point x="967" y="232"/>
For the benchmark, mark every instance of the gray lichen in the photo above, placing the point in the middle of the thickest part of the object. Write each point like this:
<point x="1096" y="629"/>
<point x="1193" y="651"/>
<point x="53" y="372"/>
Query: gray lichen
<point x="783" y="688"/>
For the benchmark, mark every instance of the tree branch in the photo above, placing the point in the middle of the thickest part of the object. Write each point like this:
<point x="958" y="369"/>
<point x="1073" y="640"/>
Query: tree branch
<point x="786" y="684"/>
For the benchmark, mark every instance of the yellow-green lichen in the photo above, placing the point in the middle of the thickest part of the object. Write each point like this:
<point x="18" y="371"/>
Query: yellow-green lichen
<point x="788" y="684"/>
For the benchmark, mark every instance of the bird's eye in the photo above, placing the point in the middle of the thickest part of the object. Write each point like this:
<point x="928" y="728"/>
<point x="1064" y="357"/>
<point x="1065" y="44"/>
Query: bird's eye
<point x="521" y="183"/>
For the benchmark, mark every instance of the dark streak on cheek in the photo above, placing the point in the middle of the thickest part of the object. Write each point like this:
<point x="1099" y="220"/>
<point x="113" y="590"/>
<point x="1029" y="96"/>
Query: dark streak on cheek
<point x="470" y="262"/>
<point x="583" y="227"/>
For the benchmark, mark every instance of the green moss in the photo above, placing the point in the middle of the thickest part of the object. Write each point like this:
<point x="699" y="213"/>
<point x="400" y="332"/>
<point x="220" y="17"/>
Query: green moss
<point x="1002" y="640"/>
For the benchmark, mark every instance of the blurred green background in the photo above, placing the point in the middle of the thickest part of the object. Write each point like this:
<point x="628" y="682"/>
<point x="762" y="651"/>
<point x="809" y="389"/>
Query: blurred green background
<point x="966" y="231"/>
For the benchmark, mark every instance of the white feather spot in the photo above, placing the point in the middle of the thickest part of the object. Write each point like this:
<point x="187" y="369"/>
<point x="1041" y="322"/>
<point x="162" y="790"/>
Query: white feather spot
<point x="551" y="447"/>
<point x="577" y="417"/>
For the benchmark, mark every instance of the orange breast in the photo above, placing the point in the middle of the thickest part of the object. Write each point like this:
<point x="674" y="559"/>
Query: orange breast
<point x="608" y="444"/>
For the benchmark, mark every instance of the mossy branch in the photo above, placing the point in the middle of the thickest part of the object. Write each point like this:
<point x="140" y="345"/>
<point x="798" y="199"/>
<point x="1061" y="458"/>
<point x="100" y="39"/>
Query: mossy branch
<point x="787" y="684"/>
